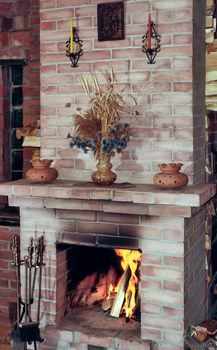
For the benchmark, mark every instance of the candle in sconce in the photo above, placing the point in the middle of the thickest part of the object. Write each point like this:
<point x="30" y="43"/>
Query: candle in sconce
<point x="71" y="43"/>
<point x="149" y="31"/>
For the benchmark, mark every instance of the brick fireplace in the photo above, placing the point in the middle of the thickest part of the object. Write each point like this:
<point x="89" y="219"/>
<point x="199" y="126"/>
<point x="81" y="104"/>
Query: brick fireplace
<point x="167" y="226"/>
<point x="169" y="229"/>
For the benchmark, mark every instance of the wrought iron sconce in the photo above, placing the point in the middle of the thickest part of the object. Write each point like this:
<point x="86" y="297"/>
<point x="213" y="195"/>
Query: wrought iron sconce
<point x="74" y="49"/>
<point x="151" y="42"/>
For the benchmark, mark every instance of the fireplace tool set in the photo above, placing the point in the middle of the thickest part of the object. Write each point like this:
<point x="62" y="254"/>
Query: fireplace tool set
<point x="26" y="330"/>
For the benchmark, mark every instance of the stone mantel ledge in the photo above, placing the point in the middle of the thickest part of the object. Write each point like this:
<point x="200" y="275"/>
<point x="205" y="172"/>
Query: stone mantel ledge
<point x="189" y="196"/>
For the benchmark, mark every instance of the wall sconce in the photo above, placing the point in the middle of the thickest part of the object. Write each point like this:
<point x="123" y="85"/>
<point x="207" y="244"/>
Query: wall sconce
<point x="74" y="46"/>
<point x="151" y="42"/>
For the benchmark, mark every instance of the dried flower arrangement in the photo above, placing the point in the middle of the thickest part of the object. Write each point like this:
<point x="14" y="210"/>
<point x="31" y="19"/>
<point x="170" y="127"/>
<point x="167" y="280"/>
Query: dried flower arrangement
<point x="99" y="128"/>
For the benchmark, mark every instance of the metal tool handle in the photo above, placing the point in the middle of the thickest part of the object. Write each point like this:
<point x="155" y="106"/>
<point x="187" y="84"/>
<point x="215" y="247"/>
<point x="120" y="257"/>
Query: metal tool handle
<point x="26" y="263"/>
<point x="41" y="264"/>
<point x="30" y="256"/>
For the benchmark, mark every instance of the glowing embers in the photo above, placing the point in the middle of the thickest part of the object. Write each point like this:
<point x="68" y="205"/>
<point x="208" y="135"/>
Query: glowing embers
<point x="112" y="288"/>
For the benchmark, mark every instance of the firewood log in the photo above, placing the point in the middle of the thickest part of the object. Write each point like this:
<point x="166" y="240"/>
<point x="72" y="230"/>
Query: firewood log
<point x="119" y="299"/>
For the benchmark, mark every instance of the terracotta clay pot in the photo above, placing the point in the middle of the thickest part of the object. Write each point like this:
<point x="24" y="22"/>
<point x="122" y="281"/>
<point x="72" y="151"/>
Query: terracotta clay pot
<point x="41" y="171"/>
<point x="170" y="176"/>
<point x="104" y="175"/>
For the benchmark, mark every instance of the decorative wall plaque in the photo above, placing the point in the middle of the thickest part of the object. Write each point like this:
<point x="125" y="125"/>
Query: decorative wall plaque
<point x="110" y="17"/>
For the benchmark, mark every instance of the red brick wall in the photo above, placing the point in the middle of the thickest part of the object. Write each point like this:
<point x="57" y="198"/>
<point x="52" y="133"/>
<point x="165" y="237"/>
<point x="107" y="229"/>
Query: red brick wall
<point x="7" y="271"/>
<point x="169" y="128"/>
<point x="19" y="39"/>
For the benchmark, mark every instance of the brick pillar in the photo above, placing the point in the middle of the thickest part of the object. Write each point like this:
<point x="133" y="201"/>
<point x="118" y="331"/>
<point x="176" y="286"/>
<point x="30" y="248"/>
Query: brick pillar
<point x="173" y="280"/>
<point x="162" y="284"/>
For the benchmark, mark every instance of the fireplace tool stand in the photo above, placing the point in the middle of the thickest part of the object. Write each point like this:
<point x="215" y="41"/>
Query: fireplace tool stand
<point x="26" y="331"/>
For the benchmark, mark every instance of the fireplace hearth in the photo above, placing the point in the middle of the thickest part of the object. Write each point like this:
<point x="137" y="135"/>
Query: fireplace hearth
<point x="166" y="226"/>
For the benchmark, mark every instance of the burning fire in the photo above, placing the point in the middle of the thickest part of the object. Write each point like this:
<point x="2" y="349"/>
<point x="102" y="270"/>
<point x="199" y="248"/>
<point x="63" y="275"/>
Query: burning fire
<point x="129" y="262"/>
<point x="117" y="296"/>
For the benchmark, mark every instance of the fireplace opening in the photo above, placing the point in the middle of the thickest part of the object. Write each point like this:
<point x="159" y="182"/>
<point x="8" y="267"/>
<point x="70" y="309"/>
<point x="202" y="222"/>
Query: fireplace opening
<point x="100" y="280"/>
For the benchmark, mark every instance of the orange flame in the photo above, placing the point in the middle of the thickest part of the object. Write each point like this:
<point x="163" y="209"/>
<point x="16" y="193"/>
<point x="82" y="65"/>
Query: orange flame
<point x="130" y="258"/>
<point x="111" y="291"/>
